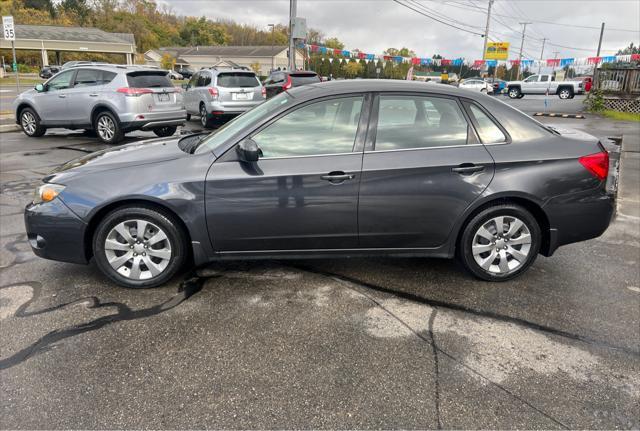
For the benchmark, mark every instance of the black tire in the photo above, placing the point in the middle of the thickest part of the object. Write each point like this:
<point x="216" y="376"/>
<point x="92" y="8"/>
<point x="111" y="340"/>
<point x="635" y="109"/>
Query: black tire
<point x="162" y="220"/>
<point x="514" y="93"/>
<point x="30" y="123"/>
<point x="205" y="120"/>
<point x="484" y="217"/>
<point x="565" y="93"/>
<point x="108" y="128"/>
<point x="164" y="132"/>
<point x="188" y="117"/>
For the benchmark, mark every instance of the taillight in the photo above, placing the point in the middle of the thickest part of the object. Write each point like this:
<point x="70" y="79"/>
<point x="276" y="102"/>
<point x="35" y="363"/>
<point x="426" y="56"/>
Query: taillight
<point x="129" y="91"/>
<point x="597" y="164"/>
<point x="213" y="91"/>
<point x="288" y="84"/>
<point x="264" y="92"/>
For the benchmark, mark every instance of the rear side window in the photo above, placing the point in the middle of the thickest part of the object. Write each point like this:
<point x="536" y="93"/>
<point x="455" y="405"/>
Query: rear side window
<point x="91" y="77"/>
<point x="238" y="79"/>
<point x="406" y="122"/>
<point x="148" y="79"/>
<point x="304" y="78"/>
<point x="204" y="79"/>
<point x="489" y="132"/>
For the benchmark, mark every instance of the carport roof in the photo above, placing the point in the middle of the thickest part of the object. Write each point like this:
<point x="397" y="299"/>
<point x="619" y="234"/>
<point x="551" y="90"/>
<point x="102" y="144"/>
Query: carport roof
<point x="76" y="34"/>
<point x="231" y="51"/>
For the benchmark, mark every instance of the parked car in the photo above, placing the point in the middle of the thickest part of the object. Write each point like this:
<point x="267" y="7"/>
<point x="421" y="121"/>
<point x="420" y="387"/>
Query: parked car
<point x="345" y="168"/>
<point x="476" y="85"/>
<point x="48" y="71"/>
<point x="219" y="94"/>
<point x="74" y="63"/>
<point x="110" y="100"/>
<point x="186" y="72"/>
<point x="281" y="80"/>
<point x="544" y="84"/>
<point x="175" y="75"/>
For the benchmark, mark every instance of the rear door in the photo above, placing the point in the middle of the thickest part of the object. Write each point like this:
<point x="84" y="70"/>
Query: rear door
<point x="302" y="194"/>
<point x="88" y="86"/>
<point x="423" y="166"/>
<point x="158" y="92"/>
<point x="239" y="91"/>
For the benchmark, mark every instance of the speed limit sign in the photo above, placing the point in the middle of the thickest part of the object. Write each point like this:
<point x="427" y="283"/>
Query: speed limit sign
<point x="8" y="31"/>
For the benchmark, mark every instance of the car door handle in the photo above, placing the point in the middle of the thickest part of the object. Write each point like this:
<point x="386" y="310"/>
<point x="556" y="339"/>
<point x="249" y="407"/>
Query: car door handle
<point x="467" y="169"/>
<point x="62" y="96"/>
<point x="337" y="177"/>
<point x="93" y="94"/>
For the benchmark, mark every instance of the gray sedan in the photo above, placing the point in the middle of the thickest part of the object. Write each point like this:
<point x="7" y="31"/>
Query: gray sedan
<point x="345" y="168"/>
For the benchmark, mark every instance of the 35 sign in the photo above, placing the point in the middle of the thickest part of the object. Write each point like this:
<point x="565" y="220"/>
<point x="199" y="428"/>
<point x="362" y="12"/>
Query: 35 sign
<point x="8" y="31"/>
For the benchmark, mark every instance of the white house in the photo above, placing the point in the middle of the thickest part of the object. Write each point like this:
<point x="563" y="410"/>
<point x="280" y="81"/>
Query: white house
<point x="268" y="57"/>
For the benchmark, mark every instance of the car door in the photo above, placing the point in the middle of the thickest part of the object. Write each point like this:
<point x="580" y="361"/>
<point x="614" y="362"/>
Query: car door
<point x="543" y="84"/>
<point x="51" y="104"/>
<point x="302" y="194"/>
<point x="529" y="84"/>
<point x="423" y="166"/>
<point x="86" y="91"/>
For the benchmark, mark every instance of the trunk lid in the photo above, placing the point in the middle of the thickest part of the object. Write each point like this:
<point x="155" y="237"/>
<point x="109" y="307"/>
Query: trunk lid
<point x="156" y="91"/>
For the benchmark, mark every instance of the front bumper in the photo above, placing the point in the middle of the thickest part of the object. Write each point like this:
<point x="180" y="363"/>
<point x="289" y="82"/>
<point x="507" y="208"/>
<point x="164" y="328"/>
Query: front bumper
<point x="55" y="232"/>
<point x="578" y="217"/>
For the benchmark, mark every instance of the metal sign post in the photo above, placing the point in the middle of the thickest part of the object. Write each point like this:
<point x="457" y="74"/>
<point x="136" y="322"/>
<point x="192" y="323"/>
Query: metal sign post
<point x="9" y="33"/>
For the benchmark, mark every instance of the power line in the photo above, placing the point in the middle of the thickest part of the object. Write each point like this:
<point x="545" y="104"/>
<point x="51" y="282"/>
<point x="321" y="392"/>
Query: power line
<point x="436" y="19"/>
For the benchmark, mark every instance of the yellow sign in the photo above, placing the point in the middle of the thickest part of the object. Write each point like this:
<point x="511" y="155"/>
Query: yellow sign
<point x="497" y="51"/>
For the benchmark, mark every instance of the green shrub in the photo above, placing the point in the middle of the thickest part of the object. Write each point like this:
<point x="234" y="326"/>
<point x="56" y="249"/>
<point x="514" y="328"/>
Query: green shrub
<point x="595" y="101"/>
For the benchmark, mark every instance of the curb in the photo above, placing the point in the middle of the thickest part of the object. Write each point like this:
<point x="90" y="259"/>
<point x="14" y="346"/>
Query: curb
<point x="5" y="128"/>
<point x="553" y="114"/>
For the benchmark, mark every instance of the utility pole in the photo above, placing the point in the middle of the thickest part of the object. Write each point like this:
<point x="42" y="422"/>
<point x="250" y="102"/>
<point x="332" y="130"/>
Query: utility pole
<point x="524" y="29"/>
<point x="293" y="4"/>
<point x="544" y="39"/>
<point x="595" y="66"/>
<point x="273" y="56"/>
<point x="486" y="30"/>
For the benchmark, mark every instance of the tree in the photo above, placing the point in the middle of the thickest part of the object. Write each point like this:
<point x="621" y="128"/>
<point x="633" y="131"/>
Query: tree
<point x="255" y="66"/>
<point x="167" y="61"/>
<point x="197" y="32"/>
<point x="333" y="43"/>
<point x="631" y="49"/>
<point x="352" y="69"/>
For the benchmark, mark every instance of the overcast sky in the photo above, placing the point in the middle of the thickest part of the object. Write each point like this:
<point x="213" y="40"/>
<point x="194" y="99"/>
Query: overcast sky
<point x="374" y="25"/>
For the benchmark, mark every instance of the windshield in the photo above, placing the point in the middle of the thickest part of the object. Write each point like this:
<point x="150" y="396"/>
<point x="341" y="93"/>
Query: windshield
<point x="241" y="122"/>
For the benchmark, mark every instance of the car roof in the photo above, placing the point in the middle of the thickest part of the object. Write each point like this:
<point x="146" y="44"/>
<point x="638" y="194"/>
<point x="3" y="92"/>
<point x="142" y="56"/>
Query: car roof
<point x="118" y="67"/>
<point x="386" y="85"/>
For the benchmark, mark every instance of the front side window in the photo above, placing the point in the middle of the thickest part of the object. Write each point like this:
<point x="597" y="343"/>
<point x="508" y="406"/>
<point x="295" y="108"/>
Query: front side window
<point x="489" y="132"/>
<point x="193" y="80"/>
<point x="326" y="127"/>
<point x="532" y="78"/>
<point x="406" y="122"/>
<point x="60" y="81"/>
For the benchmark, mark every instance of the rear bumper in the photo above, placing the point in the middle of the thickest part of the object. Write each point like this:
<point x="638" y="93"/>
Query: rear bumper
<point x="55" y="232"/>
<point x="578" y="217"/>
<point x="231" y="109"/>
<point x="152" y="120"/>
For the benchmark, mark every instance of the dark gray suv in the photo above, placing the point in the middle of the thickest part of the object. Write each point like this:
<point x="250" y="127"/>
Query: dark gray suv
<point x="346" y="168"/>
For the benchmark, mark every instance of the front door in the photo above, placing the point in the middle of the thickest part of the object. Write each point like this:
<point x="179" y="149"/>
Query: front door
<point x="421" y="169"/>
<point x="303" y="192"/>
<point x="52" y="103"/>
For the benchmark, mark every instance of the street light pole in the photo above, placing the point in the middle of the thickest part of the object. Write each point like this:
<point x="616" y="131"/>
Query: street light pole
<point x="486" y="31"/>
<point x="273" y="56"/>
<point x="524" y="29"/>
<point x="595" y="66"/>
<point x="292" y="46"/>
<point x="541" y="55"/>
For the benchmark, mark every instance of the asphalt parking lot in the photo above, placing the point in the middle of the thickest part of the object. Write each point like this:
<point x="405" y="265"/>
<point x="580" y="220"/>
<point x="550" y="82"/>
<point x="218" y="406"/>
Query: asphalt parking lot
<point x="358" y="343"/>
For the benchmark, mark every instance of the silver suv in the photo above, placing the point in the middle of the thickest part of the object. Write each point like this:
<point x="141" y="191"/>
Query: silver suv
<point x="219" y="94"/>
<point x="108" y="99"/>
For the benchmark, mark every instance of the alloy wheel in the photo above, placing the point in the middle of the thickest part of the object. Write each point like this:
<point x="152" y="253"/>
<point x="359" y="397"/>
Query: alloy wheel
<point x="501" y="245"/>
<point x="28" y="122"/>
<point x="564" y="94"/>
<point x="513" y="93"/>
<point x="138" y="249"/>
<point x="106" y="128"/>
<point x="203" y="115"/>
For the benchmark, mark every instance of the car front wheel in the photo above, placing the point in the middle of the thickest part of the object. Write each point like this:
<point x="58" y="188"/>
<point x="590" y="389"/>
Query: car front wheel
<point x="139" y="247"/>
<point x="514" y="93"/>
<point x="30" y="123"/>
<point x="500" y="242"/>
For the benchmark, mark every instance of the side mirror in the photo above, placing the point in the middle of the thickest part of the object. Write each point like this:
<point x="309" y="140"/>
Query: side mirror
<point x="39" y="88"/>
<point x="248" y="151"/>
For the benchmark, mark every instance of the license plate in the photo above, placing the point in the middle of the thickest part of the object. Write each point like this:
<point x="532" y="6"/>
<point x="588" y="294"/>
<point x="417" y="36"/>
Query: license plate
<point x="241" y="96"/>
<point x="163" y="97"/>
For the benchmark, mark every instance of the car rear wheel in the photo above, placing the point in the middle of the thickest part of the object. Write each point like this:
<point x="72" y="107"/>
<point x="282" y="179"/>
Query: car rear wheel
<point x="205" y="121"/>
<point x="514" y="93"/>
<point x="30" y="123"/>
<point x="139" y="247"/>
<point x="500" y="242"/>
<point x="108" y="128"/>
<point x="165" y="131"/>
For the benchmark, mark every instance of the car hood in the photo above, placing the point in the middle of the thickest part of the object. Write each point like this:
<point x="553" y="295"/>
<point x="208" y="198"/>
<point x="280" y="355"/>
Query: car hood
<point x="135" y="154"/>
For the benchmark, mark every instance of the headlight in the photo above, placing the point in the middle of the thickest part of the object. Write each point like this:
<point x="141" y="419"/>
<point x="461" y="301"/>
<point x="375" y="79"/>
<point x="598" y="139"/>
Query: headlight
<point x="47" y="192"/>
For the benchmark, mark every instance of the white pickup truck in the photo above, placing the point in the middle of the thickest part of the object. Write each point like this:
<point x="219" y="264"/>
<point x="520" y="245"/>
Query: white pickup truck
<point x="544" y="84"/>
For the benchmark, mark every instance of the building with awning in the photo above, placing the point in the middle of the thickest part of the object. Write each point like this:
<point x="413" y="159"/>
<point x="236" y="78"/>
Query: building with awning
<point x="57" y="39"/>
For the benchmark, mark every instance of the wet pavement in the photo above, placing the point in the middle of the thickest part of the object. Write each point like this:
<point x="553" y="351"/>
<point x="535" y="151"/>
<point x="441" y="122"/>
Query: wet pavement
<point x="351" y="343"/>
